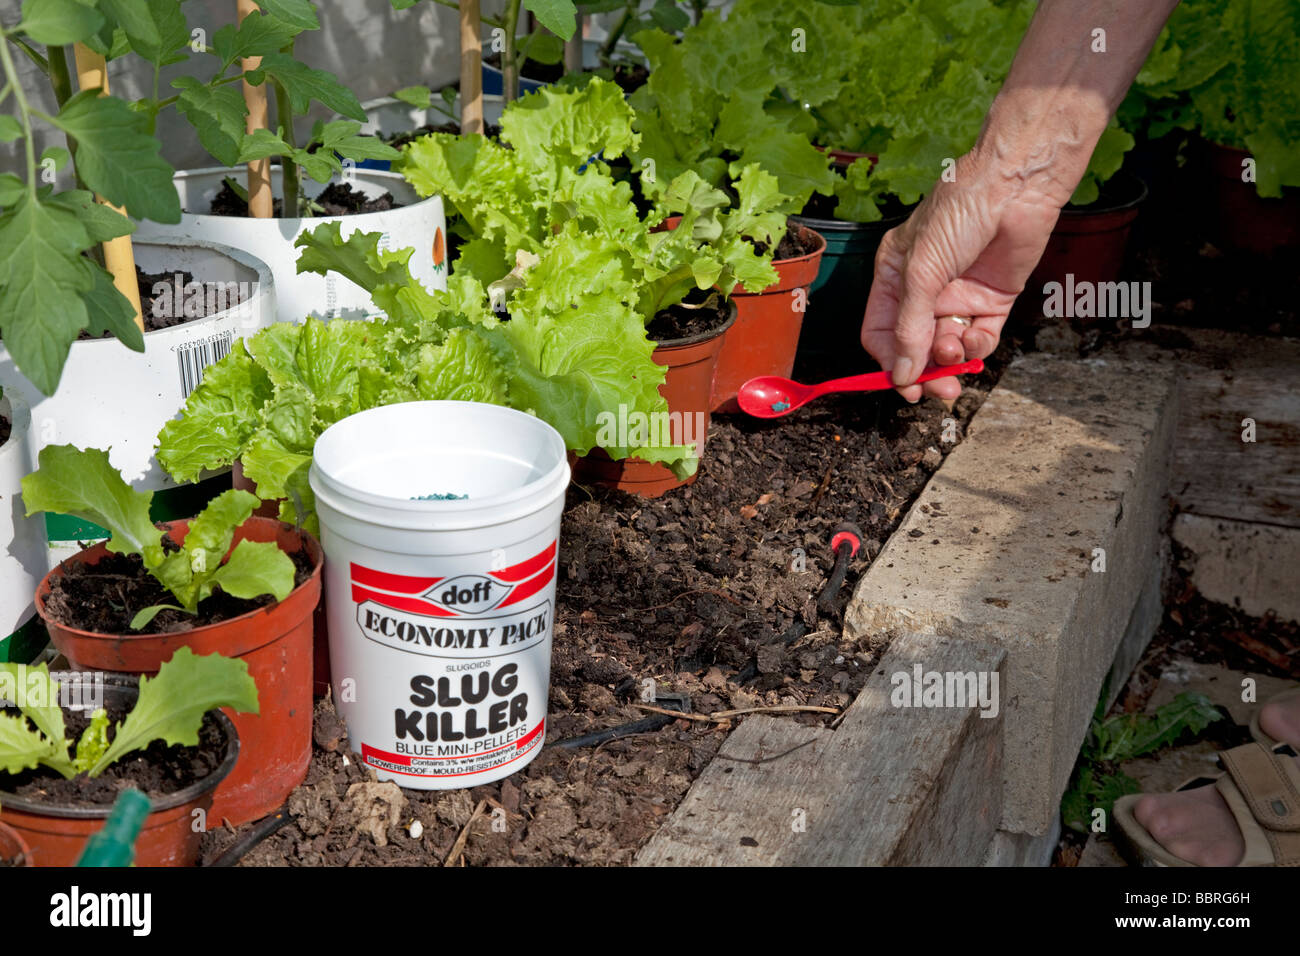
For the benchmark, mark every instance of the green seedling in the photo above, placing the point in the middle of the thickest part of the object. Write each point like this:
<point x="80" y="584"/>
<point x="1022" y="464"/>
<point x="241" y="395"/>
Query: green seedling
<point x="170" y="707"/>
<point x="83" y="483"/>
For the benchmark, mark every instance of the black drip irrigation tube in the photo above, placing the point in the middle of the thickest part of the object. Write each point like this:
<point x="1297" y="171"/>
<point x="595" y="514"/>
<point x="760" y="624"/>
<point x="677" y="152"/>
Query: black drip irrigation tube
<point x="260" y="831"/>
<point x="646" y="725"/>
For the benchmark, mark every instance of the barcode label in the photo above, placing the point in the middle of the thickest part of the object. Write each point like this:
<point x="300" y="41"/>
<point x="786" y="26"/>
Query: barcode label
<point x="193" y="357"/>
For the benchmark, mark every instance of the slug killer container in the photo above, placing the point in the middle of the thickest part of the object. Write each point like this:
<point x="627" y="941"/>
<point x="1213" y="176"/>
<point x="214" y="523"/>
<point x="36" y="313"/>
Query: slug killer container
<point x="440" y="523"/>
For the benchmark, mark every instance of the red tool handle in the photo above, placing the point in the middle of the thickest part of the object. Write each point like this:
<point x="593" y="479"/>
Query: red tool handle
<point x="874" y="381"/>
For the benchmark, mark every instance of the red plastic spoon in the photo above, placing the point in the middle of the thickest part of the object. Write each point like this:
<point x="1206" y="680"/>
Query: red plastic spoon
<point x="770" y="396"/>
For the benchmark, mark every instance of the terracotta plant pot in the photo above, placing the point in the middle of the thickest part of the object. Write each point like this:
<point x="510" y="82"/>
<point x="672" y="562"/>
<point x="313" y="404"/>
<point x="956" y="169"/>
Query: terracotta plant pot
<point x="269" y="508"/>
<point x="320" y="653"/>
<point x="765" y="336"/>
<point x="1088" y="242"/>
<point x="58" y="834"/>
<point x="687" y="388"/>
<point x="1243" y="218"/>
<point x="14" y="847"/>
<point x="275" y="642"/>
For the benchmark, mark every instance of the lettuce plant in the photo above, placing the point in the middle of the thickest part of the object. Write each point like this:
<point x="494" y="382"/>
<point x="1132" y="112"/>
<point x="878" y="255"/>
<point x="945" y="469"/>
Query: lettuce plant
<point x="549" y="176"/>
<point x="1229" y="71"/>
<point x="555" y="242"/>
<point x="575" y="346"/>
<point x="170" y="708"/>
<point x="83" y="483"/>
<point x="906" y="82"/>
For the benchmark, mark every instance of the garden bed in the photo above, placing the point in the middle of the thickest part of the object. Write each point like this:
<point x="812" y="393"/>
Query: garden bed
<point x="695" y="591"/>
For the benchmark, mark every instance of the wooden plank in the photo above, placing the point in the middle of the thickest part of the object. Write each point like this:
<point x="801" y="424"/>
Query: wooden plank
<point x="890" y="785"/>
<point x="917" y="785"/>
<point x="1065" y="456"/>
<point x="1233" y="377"/>
<point x="741" y="810"/>
<point x="1243" y="564"/>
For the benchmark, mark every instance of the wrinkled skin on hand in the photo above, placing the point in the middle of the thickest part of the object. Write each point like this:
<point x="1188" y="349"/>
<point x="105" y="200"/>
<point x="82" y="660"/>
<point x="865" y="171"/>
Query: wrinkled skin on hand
<point x="966" y="250"/>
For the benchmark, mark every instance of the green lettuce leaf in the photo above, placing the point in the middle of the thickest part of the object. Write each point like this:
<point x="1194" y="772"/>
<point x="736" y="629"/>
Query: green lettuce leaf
<point x="86" y="485"/>
<point x="172" y="703"/>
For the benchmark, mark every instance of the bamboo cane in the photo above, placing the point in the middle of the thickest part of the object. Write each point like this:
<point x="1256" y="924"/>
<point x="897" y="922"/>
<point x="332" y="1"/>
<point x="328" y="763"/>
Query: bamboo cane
<point x="471" y="69"/>
<point x="573" y="49"/>
<point x="119" y="257"/>
<point x="259" y="170"/>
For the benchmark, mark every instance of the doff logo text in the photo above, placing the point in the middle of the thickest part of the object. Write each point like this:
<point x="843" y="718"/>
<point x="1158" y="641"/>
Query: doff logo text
<point x="469" y="593"/>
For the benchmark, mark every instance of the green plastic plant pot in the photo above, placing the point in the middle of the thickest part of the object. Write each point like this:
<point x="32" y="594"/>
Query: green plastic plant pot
<point x="838" y="296"/>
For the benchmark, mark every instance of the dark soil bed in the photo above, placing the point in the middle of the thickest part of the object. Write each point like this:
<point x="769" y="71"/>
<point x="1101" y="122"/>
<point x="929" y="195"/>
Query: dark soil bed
<point x="158" y="770"/>
<point x="6" y="427"/>
<point x="792" y="245"/>
<point x="337" y="199"/>
<point x="168" y="299"/>
<point x="688" y="321"/>
<point x="104" y="598"/>
<point x="340" y="199"/>
<point x="694" y="591"/>
<point x="698" y="590"/>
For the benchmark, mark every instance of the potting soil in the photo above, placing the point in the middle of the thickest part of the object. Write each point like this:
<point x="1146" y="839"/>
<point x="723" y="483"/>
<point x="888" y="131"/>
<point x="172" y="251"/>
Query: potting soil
<point x="159" y="769"/>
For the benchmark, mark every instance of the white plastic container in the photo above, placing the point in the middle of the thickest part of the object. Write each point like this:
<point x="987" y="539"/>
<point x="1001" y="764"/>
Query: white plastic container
<point x="113" y="398"/>
<point x="440" y="612"/>
<point x="418" y="224"/>
<point x="22" y="541"/>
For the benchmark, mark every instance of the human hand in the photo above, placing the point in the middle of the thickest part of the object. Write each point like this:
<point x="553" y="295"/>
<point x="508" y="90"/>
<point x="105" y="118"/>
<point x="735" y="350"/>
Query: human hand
<point x="965" y="252"/>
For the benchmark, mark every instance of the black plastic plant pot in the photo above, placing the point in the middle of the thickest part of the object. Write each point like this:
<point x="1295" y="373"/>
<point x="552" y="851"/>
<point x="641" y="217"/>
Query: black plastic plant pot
<point x="838" y="296"/>
<point x="58" y="833"/>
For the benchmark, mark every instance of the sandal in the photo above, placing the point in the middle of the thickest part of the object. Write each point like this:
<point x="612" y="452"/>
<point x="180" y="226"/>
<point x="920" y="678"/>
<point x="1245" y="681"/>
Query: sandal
<point x="1262" y="789"/>
<point x="1256" y="733"/>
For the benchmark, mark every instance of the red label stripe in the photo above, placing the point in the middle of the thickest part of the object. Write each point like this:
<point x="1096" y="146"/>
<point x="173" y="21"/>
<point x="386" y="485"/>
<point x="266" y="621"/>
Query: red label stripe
<point x="414" y="605"/>
<point x="402" y="760"/>
<point x="531" y="734"/>
<point x="525" y="569"/>
<point x="368" y="751"/>
<point x="402" y="583"/>
<point x="529" y="588"/>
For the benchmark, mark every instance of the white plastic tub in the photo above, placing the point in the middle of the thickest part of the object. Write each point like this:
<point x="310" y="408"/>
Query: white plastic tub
<point x="22" y="541"/>
<point x="440" y="612"/>
<point x="418" y="224"/>
<point x="113" y="398"/>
